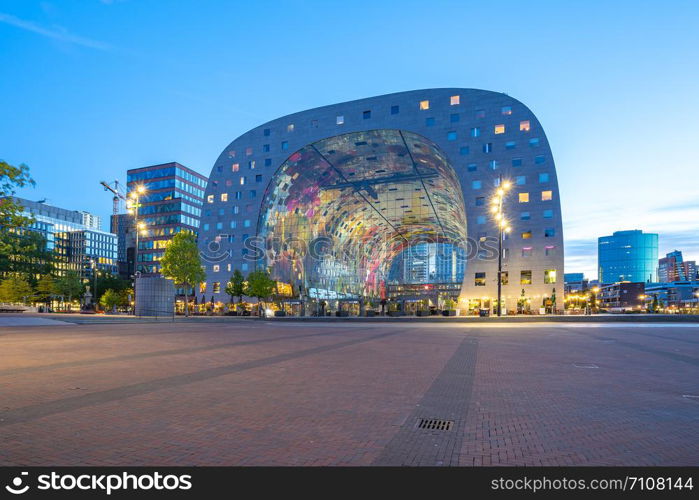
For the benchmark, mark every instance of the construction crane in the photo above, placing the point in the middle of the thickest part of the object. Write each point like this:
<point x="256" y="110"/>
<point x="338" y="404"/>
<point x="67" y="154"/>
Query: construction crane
<point x="116" y="189"/>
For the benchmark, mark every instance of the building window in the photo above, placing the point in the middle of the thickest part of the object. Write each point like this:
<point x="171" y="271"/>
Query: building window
<point x="314" y="123"/>
<point x="253" y="194"/>
<point x="534" y="142"/>
<point x="480" y="219"/>
<point x="224" y="196"/>
<point x="549" y="276"/>
<point x="395" y="110"/>
<point x="506" y="110"/>
<point x="546" y="195"/>
<point x="474" y="185"/>
<point x="238" y="195"/>
<point x="480" y="201"/>
<point x="219" y="225"/>
<point x="285" y="145"/>
<point x="500" y="129"/>
<point x="210" y="198"/>
<point x="521" y="180"/>
<point x="516" y="162"/>
<point x="216" y="268"/>
<point x="479" y="279"/>
<point x="429" y="122"/>
<point x="493" y="164"/>
<point x="206" y="227"/>
<point x="510" y="145"/>
<point x="265" y="148"/>
<point x="475" y="131"/>
<point x="251" y="165"/>
<point x="454" y="100"/>
<point x="265" y="132"/>
<point x="451" y="136"/>
<point x="549" y="232"/>
<point x="244" y="266"/>
<point x="454" y="117"/>
<point x="242" y="180"/>
<point x="548" y="214"/>
<point x="235" y="167"/>
<point x="524" y="197"/>
<point x="268" y="162"/>
<point x="248" y="151"/>
<point x="216" y="287"/>
<point x="202" y="287"/>
<point x="480" y="113"/>
<point x="526" y="251"/>
<point x="366" y="114"/>
<point x="504" y="275"/>
<point x="550" y="250"/>
<point x="526" y="235"/>
<point x="525" y="277"/>
<point x="290" y="127"/>
<point x="472" y="167"/>
<point x="258" y="178"/>
<point x="539" y="159"/>
<point x="463" y="150"/>
<point x="524" y="216"/>
<point x="424" y="105"/>
<point x="339" y="120"/>
<point x="228" y="267"/>
<point x="488" y="147"/>
<point x="234" y="224"/>
<point x="524" y="126"/>
<point x="246" y="223"/>
<point x="236" y="210"/>
<point x="543" y="177"/>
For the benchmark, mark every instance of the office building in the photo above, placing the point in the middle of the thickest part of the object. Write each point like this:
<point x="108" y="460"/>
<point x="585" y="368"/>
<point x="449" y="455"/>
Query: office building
<point x="628" y="256"/>
<point x="672" y="267"/>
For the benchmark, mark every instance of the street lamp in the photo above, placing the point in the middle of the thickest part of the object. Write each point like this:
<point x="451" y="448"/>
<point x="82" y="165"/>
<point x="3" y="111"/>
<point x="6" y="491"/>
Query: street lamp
<point x="133" y="205"/>
<point x="503" y="228"/>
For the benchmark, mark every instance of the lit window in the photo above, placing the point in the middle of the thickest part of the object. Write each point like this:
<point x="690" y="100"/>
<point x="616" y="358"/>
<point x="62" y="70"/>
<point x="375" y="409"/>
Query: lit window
<point x="395" y="110"/>
<point x="290" y="127"/>
<point x="475" y="132"/>
<point x="549" y="276"/>
<point x="454" y="100"/>
<point x="479" y="279"/>
<point x="488" y="147"/>
<point x="216" y="287"/>
<point x="235" y="167"/>
<point x="524" y="216"/>
<point x="550" y="250"/>
<point x="525" y="277"/>
<point x="504" y="276"/>
<point x="524" y="126"/>
<point x="526" y="235"/>
<point x="224" y="196"/>
<point x="546" y="195"/>
<point x="549" y="232"/>
<point x="366" y="114"/>
<point x="521" y="180"/>
<point x="472" y="167"/>
<point x="340" y="119"/>
<point x="524" y="197"/>
<point x="210" y="198"/>
<point x="526" y="251"/>
<point x="251" y="165"/>
<point x="463" y="150"/>
<point x="500" y="129"/>
<point x="474" y="185"/>
<point x="429" y="122"/>
<point x="228" y="267"/>
<point x="248" y="151"/>
<point x="242" y="180"/>
<point x="548" y="214"/>
<point x="424" y="105"/>
<point x="516" y="162"/>
<point x="216" y="268"/>
<point x="480" y="201"/>
<point x="543" y="177"/>
<point x="506" y="110"/>
<point x="480" y="219"/>
<point x="202" y="287"/>
<point x="451" y="136"/>
<point x="454" y="117"/>
<point x="285" y="145"/>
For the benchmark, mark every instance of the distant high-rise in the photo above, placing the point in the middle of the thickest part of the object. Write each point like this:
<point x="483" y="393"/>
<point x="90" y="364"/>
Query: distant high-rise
<point x="628" y="256"/>
<point x="91" y="220"/>
<point x="672" y="267"/>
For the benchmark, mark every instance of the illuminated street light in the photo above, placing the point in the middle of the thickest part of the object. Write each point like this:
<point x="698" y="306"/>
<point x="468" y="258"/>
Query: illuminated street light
<point x="503" y="227"/>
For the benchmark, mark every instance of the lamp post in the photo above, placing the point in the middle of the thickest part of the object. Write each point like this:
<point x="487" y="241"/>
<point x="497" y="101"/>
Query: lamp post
<point x="503" y="227"/>
<point x="134" y="205"/>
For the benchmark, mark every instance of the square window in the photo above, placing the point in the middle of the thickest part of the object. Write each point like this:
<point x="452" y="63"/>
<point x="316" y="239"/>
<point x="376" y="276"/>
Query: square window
<point x="549" y="232"/>
<point x="500" y="129"/>
<point x="268" y="162"/>
<point x="424" y="105"/>
<point x="216" y="268"/>
<point x="265" y="132"/>
<point x="488" y="147"/>
<point x="524" y="216"/>
<point x="235" y="167"/>
<point x="253" y="194"/>
<point x="258" y="178"/>
<point x="524" y="126"/>
<point x="339" y="120"/>
<point x="251" y="165"/>
<point x="480" y="219"/>
<point x="454" y="117"/>
<point x="526" y="235"/>
<point x="224" y="196"/>
<point x="248" y="151"/>
<point x="246" y="223"/>
<point x="265" y="148"/>
<point x="525" y="277"/>
<point x="524" y="197"/>
<point x="534" y="143"/>
<point x="543" y="177"/>
<point x="526" y="251"/>
<point x="549" y="276"/>
<point x="480" y="113"/>
<point x="504" y="275"/>
<point x="475" y="132"/>
<point x="510" y="145"/>
<point x="516" y="162"/>
<point x="290" y="127"/>
<point x="480" y="201"/>
<point x="546" y="195"/>
<point x="219" y="225"/>
<point x="234" y="224"/>
<point x="395" y="110"/>
<point x="550" y="250"/>
<point x="539" y="159"/>
<point x="506" y="110"/>
<point x="366" y="114"/>
<point x="474" y="185"/>
<point x="314" y="123"/>
<point x="210" y="198"/>
<point x="463" y="150"/>
<point x="429" y="122"/>
<point x="472" y="167"/>
<point x="285" y="145"/>
<point x="521" y="180"/>
<point x="244" y="266"/>
<point x="479" y="279"/>
<point x="454" y="100"/>
<point x="548" y="214"/>
<point x="451" y="136"/>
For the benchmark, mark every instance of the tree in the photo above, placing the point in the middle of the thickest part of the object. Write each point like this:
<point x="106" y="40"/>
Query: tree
<point x="182" y="263"/>
<point x="46" y="288"/>
<point x="236" y="286"/>
<point x="260" y="285"/>
<point x="69" y="285"/>
<point x="111" y="299"/>
<point x="15" y="289"/>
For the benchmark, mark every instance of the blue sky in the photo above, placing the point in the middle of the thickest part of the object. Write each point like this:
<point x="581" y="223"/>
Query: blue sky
<point x="92" y="88"/>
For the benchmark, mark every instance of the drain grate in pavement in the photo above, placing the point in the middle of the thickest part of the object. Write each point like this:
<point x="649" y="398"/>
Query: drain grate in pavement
<point x="435" y="424"/>
<point x="585" y="365"/>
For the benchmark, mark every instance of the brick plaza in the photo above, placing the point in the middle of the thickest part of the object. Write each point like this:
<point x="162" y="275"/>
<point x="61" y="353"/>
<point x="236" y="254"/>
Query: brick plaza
<point x="255" y="392"/>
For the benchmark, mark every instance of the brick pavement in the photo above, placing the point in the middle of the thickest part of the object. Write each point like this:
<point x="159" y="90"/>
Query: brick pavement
<point x="263" y="393"/>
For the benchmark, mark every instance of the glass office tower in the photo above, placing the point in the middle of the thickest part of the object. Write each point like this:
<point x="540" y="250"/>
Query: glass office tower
<point x="628" y="256"/>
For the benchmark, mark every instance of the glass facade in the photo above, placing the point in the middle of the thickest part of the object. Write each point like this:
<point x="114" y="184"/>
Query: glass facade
<point x="340" y="211"/>
<point x="628" y="256"/>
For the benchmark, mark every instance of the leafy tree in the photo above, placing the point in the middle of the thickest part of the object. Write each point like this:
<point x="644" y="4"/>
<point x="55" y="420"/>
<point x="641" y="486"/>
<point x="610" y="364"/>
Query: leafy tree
<point x="111" y="299"/>
<point x="236" y="286"/>
<point x="182" y="263"/>
<point x="260" y="285"/>
<point x="107" y="281"/>
<point x="11" y="212"/>
<point x="69" y="285"/>
<point x="15" y="289"/>
<point x="45" y="288"/>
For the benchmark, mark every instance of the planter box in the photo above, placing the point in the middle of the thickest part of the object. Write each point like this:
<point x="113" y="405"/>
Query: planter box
<point x="370" y="314"/>
<point x="278" y="314"/>
<point x="395" y="313"/>
<point x="423" y="313"/>
<point x="341" y="314"/>
<point x="449" y="312"/>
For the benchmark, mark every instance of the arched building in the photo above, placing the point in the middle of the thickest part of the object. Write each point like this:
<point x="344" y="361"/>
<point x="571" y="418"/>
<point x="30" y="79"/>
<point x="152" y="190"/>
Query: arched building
<point x="390" y="196"/>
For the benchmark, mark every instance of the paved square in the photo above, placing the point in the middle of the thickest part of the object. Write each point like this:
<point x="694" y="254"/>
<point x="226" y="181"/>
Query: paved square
<point x="253" y="392"/>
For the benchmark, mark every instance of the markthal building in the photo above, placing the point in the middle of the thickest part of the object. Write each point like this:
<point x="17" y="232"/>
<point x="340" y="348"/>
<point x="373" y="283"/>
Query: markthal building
<point x="391" y="198"/>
